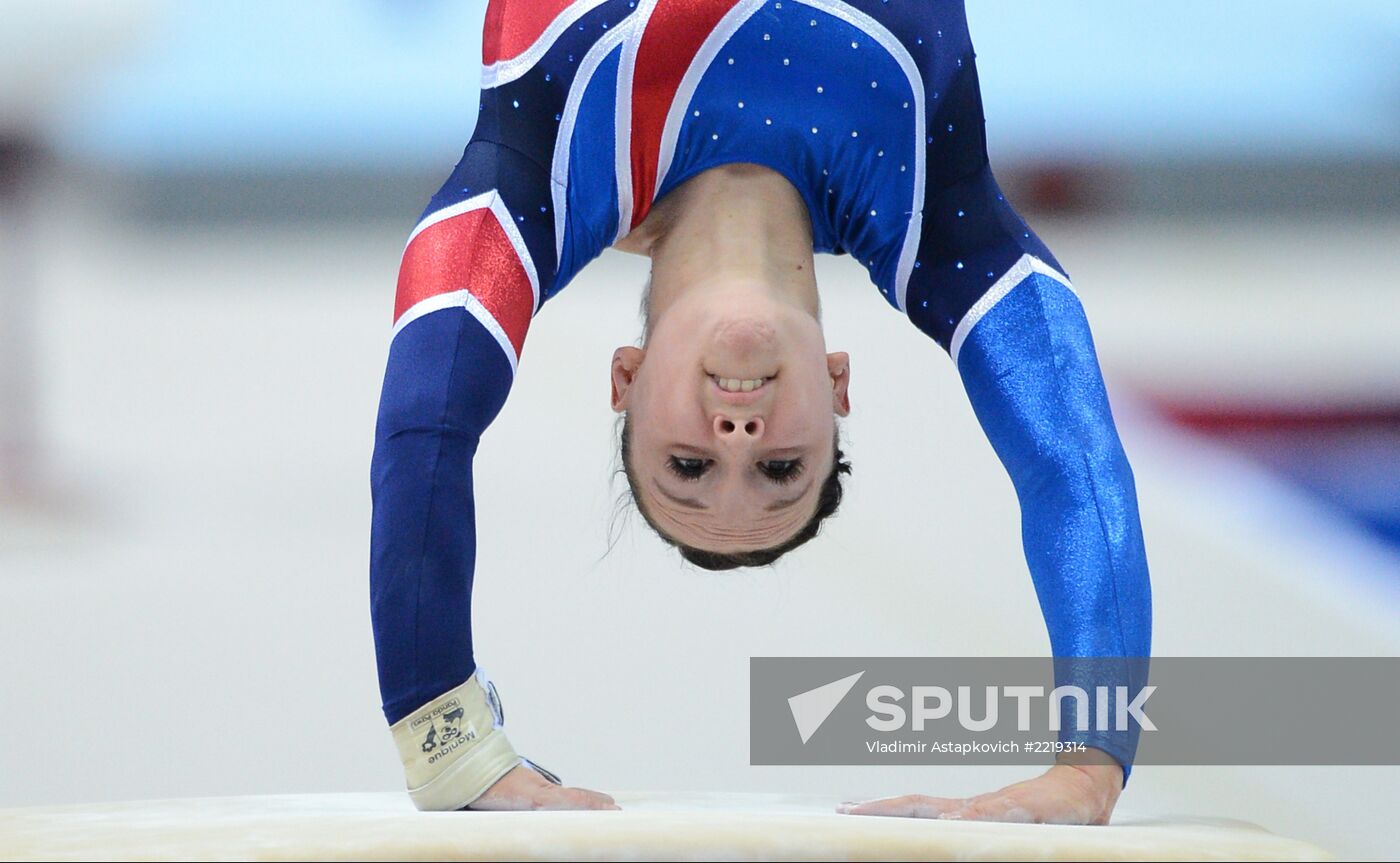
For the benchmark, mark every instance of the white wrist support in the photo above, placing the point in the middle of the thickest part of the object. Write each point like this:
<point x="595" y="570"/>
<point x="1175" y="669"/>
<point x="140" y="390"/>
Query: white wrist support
<point x="453" y="748"/>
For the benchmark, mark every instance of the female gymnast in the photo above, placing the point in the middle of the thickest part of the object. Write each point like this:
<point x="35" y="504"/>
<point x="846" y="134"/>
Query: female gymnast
<point x="730" y="141"/>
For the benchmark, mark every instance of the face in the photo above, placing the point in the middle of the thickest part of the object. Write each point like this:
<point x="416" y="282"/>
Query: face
<point x="732" y="407"/>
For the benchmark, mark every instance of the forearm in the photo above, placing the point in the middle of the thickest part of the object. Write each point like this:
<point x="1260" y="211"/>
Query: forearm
<point x="421" y="567"/>
<point x="1083" y="544"/>
<point x="444" y="383"/>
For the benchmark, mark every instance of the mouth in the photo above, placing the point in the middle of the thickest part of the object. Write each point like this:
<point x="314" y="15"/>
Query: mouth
<point x="740" y="385"/>
<point x="741" y="392"/>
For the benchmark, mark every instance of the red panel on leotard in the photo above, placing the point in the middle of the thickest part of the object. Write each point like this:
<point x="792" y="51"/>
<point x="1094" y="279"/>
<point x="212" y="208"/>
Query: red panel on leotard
<point x="672" y="37"/>
<point x="514" y="25"/>
<point x="469" y="252"/>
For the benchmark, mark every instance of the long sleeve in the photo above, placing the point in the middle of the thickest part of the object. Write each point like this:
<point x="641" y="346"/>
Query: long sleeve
<point x="468" y="287"/>
<point x="989" y="291"/>
<point x="532" y="201"/>
<point x="1028" y="364"/>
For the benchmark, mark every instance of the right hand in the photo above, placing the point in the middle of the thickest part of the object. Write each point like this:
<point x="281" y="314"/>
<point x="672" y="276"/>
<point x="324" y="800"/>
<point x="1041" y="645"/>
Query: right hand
<point x="523" y="788"/>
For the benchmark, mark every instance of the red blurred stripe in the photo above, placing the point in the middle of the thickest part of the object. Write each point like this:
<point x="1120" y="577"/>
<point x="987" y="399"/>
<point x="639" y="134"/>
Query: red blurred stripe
<point x="1224" y="418"/>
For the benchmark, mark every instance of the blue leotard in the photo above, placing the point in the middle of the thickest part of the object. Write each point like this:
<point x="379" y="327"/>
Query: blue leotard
<point x="592" y="111"/>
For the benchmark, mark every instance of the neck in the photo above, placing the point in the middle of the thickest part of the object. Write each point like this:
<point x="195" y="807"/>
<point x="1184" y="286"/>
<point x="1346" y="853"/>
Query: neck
<point x="742" y="227"/>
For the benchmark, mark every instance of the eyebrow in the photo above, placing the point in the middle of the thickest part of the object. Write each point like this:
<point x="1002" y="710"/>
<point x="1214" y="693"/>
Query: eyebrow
<point x="784" y="504"/>
<point x="692" y="503"/>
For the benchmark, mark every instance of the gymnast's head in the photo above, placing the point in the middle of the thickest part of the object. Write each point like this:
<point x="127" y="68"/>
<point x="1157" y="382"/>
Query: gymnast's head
<point x="730" y="404"/>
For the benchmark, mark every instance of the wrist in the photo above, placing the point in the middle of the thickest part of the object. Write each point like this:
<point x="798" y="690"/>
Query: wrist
<point x="1097" y="772"/>
<point x="1105" y="776"/>
<point x="453" y="748"/>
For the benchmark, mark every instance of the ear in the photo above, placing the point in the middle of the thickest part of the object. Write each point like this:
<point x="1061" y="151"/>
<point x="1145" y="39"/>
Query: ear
<point x="626" y="362"/>
<point x="838" y="365"/>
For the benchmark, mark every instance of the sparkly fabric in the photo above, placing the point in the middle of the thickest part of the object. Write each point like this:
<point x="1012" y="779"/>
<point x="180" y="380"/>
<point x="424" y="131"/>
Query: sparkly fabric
<point x="673" y="35"/>
<point x="1033" y="378"/>
<point x="468" y="252"/>
<point x="511" y="26"/>
<point x="871" y="109"/>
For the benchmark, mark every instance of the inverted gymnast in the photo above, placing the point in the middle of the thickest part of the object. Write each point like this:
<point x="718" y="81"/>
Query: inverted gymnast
<point x="730" y="141"/>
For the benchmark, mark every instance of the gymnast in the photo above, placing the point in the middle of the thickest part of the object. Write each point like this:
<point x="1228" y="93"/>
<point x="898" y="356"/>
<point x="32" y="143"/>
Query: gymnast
<point x="730" y="141"/>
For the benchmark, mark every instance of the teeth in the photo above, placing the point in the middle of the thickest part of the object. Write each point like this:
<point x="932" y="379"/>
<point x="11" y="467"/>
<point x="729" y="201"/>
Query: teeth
<point x="736" y="385"/>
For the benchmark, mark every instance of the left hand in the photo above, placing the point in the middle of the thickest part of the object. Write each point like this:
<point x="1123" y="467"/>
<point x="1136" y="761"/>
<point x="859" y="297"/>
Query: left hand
<point x="1064" y="794"/>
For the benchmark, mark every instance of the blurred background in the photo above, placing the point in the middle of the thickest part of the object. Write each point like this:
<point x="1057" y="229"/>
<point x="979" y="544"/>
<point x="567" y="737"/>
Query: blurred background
<point x="202" y="207"/>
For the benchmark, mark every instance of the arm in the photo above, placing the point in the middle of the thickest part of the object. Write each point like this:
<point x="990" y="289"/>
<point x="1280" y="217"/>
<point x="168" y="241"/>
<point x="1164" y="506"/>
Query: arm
<point x="451" y="365"/>
<point x="989" y="291"/>
<point x="528" y="206"/>
<point x="1027" y="362"/>
<point x="992" y="294"/>
<point x="1031" y="374"/>
<point x="447" y="377"/>
<point x="468" y="286"/>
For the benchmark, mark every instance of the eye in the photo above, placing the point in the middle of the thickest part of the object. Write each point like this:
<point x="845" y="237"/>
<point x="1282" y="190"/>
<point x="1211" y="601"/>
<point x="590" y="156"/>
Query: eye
<point x="688" y="468"/>
<point x="781" y="471"/>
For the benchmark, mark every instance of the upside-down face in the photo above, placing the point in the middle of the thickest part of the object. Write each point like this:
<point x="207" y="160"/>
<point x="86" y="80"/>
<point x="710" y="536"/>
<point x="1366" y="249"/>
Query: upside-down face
<point x="732" y="407"/>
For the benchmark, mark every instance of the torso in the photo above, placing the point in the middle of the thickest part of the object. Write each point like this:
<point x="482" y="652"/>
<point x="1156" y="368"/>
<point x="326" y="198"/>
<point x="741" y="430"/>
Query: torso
<point x="593" y="111"/>
<point x="648" y="94"/>
<point x="779" y="85"/>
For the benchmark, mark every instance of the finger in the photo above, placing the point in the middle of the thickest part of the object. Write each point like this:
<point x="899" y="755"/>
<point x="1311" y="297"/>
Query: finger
<point x="573" y="798"/>
<point x="907" y="806"/>
<point x="606" y="800"/>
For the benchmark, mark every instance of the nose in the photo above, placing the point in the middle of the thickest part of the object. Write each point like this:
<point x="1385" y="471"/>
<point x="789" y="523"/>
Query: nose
<point x="735" y="430"/>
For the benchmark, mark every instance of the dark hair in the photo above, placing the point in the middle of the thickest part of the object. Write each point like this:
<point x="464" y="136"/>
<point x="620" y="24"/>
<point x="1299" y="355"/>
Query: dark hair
<point x="828" y="500"/>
